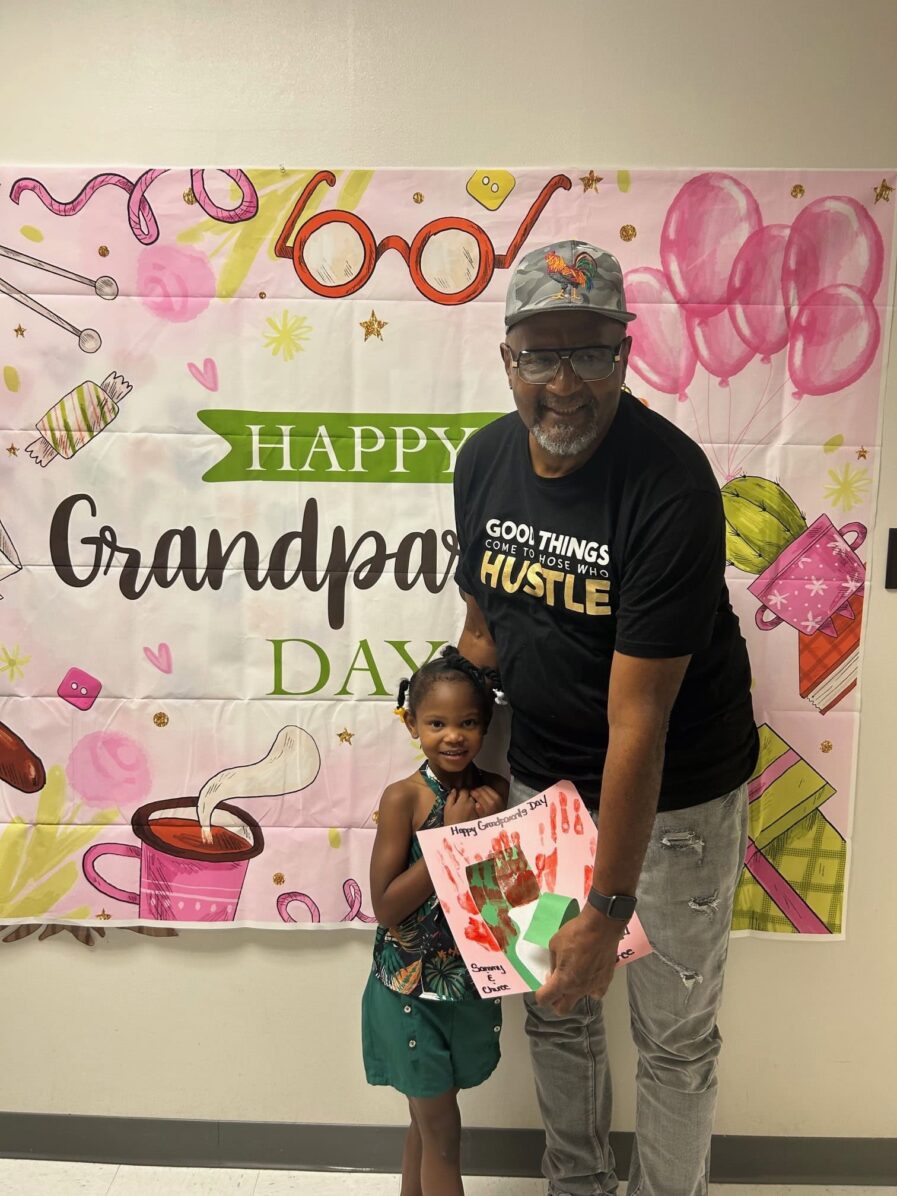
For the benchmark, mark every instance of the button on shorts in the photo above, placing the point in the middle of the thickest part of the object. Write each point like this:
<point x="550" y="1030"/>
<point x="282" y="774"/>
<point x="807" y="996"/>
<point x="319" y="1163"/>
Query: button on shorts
<point x="422" y="1047"/>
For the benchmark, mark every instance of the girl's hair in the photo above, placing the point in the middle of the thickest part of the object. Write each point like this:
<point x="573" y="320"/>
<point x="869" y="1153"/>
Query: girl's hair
<point x="450" y="665"/>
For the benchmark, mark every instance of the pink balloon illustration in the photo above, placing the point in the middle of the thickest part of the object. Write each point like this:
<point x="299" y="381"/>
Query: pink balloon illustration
<point x="719" y="348"/>
<point x="706" y="224"/>
<point x="661" y="352"/>
<point x="833" y="240"/>
<point x="834" y="339"/>
<point x="754" y="293"/>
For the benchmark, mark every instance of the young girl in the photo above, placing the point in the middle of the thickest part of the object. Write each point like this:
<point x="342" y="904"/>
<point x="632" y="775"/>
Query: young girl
<point x="425" y="1030"/>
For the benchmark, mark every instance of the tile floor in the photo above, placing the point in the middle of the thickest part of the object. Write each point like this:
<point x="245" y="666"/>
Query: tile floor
<point x="20" y="1177"/>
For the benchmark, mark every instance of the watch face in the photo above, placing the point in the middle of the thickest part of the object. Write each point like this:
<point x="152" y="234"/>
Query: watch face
<point x="621" y="907"/>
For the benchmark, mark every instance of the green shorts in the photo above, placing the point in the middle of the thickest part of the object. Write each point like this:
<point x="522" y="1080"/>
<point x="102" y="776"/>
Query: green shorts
<point x="423" y="1048"/>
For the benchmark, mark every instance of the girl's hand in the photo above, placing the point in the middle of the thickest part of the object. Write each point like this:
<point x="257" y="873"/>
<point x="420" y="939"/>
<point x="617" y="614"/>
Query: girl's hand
<point x="459" y="807"/>
<point x="487" y="801"/>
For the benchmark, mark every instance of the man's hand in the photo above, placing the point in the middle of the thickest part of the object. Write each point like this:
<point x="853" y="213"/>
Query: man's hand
<point x="583" y="956"/>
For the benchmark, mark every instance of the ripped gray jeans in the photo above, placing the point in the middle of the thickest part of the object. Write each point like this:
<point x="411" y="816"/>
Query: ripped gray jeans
<point x="685" y="900"/>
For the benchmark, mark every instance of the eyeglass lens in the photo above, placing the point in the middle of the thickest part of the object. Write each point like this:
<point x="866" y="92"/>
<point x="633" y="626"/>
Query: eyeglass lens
<point x="542" y="365"/>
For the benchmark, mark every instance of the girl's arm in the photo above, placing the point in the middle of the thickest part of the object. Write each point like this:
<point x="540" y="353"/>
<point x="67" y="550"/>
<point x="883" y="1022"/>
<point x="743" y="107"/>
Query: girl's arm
<point x="396" y="890"/>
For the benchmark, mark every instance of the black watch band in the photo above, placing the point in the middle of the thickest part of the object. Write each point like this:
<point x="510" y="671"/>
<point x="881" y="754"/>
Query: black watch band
<point x="618" y="907"/>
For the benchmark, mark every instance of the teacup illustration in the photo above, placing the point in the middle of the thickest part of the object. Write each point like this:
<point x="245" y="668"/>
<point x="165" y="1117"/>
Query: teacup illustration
<point x="811" y="579"/>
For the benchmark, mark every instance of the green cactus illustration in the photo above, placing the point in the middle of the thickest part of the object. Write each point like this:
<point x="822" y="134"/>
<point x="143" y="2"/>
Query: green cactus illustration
<point x="761" y="520"/>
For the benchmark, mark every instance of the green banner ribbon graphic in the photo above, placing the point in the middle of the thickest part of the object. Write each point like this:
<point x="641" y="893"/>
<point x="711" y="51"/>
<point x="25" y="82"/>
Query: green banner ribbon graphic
<point x="328" y="446"/>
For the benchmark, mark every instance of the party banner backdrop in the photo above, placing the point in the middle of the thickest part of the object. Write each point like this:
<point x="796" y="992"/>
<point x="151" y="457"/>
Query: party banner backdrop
<point x="231" y="402"/>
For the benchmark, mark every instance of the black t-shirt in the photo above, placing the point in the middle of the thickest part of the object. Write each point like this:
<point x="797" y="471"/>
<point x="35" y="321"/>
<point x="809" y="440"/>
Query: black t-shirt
<point x="626" y="554"/>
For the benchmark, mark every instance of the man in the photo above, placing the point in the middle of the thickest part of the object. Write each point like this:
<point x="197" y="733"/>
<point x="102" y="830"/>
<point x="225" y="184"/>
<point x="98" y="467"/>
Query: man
<point x="592" y="563"/>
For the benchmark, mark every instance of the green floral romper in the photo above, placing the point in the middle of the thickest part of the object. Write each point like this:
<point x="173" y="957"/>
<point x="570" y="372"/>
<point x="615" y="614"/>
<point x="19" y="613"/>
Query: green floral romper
<point x="425" y="1028"/>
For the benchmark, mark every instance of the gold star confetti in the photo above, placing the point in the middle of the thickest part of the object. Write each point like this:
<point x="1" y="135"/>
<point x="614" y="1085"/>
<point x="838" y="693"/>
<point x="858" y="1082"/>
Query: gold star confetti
<point x="103" y="251"/>
<point x="628" y="232"/>
<point x="345" y="736"/>
<point x="103" y="916"/>
<point x="884" y="191"/>
<point x="862" y="454"/>
<point x="373" y="326"/>
<point x="13" y="450"/>
<point x="590" y="181"/>
<point x="160" y="719"/>
<point x="798" y="191"/>
<point x="189" y="197"/>
<point x="278" y="878"/>
<point x="19" y="330"/>
<point x="418" y="197"/>
<point x="825" y="746"/>
<point x="13" y="663"/>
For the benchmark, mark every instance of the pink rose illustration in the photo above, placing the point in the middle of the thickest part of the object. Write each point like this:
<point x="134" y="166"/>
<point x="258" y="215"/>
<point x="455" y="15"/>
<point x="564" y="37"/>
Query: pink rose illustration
<point x="176" y="284"/>
<point x="109" y="769"/>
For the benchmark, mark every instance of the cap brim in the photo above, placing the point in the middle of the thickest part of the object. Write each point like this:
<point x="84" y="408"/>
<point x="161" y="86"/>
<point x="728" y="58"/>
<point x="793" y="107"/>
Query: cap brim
<point x="621" y="317"/>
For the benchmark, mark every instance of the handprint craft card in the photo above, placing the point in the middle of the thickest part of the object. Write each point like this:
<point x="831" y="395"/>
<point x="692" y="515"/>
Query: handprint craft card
<point x="508" y="882"/>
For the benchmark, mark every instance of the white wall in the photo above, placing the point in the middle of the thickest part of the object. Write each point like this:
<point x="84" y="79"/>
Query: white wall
<point x="259" y="1026"/>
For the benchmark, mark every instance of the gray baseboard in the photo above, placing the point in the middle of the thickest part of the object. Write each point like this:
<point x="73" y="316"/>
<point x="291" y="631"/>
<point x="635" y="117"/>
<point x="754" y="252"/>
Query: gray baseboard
<point x="277" y="1145"/>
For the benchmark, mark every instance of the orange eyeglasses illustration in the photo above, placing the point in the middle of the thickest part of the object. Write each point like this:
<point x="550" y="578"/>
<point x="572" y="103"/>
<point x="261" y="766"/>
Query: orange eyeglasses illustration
<point x="444" y="266"/>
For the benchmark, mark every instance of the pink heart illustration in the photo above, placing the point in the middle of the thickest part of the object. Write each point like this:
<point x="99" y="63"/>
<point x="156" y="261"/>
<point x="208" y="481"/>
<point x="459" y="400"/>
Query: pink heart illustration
<point x="207" y="376"/>
<point x="160" y="660"/>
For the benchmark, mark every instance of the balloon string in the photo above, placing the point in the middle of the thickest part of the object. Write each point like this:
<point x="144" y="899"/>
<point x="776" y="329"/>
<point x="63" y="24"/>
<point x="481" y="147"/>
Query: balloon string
<point x="710" y="431"/>
<point x="704" y="442"/>
<point x="776" y="427"/>
<point x="762" y="406"/>
<point x="711" y="442"/>
<point x="758" y="409"/>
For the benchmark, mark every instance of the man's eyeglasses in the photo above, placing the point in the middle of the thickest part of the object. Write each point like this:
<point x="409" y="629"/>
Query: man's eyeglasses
<point x="541" y="366"/>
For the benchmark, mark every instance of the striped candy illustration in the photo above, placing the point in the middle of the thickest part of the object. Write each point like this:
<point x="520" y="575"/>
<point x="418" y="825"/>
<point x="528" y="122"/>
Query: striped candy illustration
<point x="77" y="418"/>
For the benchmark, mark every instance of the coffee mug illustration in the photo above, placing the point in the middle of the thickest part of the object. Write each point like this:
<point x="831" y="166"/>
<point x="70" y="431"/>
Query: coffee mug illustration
<point x="195" y="851"/>
<point x="811" y="579"/>
<point x="183" y="878"/>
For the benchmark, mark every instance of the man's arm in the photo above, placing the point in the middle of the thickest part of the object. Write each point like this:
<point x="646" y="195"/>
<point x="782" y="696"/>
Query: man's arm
<point x="642" y="693"/>
<point x="475" y="642"/>
<point x="641" y="696"/>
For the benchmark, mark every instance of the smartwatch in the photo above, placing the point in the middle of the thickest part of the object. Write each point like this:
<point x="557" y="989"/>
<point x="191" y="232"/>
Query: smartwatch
<point x="618" y="907"/>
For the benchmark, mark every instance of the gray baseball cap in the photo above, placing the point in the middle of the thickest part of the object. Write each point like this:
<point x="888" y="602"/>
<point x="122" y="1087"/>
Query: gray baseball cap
<point x="567" y="276"/>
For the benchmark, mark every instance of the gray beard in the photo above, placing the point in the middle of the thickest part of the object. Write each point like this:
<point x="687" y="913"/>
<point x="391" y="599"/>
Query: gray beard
<point x="566" y="442"/>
